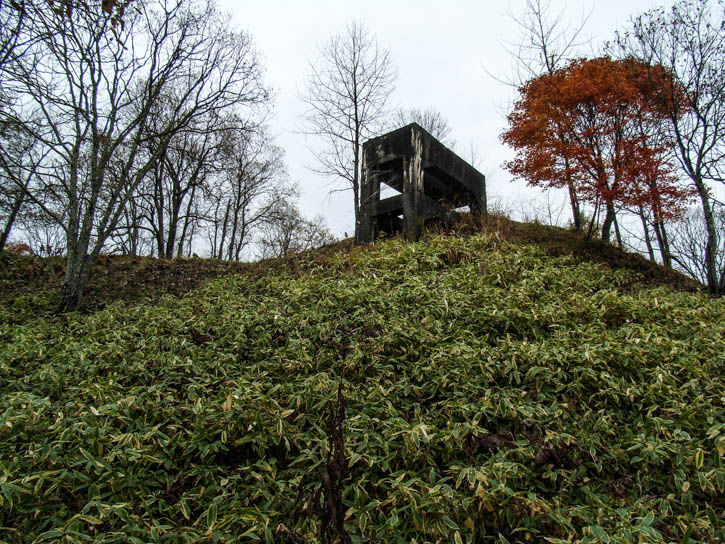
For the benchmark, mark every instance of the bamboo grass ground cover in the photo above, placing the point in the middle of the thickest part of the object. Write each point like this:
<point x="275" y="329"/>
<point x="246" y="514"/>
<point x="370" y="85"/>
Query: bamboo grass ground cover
<point x="491" y="394"/>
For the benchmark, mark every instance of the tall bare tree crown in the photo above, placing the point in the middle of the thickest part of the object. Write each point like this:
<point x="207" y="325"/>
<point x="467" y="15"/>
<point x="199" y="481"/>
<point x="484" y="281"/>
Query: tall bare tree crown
<point x="346" y="94"/>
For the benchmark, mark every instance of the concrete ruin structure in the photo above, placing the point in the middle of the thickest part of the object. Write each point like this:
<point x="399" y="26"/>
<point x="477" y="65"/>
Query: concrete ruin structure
<point x="432" y="182"/>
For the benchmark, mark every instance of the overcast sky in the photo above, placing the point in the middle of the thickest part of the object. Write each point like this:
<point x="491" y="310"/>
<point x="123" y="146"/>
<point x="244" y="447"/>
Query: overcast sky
<point x="442" y="51"/>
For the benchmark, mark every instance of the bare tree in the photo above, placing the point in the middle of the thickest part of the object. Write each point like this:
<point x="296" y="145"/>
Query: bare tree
<point x="170" y="195"/>
<point x="546" y="44"/>
<point x="546" y="209"/>
<point x="95" y="90"/>
<point x="288" y="232"/>
<point x="690" y="240"/>
<point x="14" y="142"/>
<point x="131" y="236"/>
<point x="472" y="154"/>
<point x="44" y="235"/>
<point x="689" y="41"/>
<point x="19" y="160"/>
<point x="251" y="186"/>
<point x="12" y="20"/>
<point x="66" y="8"/>
<point x="346" y="94"/>
<point x="645" y="220"/>
<point x="430" y="119"/>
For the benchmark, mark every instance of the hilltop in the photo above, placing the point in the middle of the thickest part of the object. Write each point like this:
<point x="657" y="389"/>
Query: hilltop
<point x="30" y="285"/>
<point x="491" y="387"/>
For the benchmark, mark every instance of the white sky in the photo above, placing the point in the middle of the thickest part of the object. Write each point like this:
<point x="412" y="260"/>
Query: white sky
<point x="442" y="51"/>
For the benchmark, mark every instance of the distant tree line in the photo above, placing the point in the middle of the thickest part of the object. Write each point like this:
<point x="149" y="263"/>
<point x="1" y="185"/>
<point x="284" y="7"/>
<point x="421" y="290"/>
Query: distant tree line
<point x="137" y="129"/>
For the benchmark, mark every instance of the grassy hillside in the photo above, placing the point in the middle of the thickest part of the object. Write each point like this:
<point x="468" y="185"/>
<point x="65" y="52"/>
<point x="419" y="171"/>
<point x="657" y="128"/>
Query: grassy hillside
<point x="31" y="285"/>
<point x="482" y="391"/>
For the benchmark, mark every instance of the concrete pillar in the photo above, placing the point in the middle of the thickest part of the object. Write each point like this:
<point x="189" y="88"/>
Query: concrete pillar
<point x="365" y="232"/>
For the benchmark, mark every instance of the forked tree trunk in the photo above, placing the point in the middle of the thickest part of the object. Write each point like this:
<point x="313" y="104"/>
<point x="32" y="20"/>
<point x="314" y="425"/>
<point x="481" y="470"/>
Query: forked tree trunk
<point x="17" y="206"/>
<point x="663" y="243"/>
<point x="620" y="242"/>
<point x="185" y="226"/>
<point x="575" y="210"/>
<point x="713" y="281"/>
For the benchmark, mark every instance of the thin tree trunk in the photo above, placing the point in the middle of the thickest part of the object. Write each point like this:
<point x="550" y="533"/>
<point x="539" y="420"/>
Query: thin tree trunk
<point x="647" y="238"/>
<point x="173" y="226"/>
<point x="595" y="215"/>
<point x="224" y="231"/>
<point x="607" y="224"/>
<point x="620" y="243"/>
<point x="191" y="239"/>
<point x="158" y="203"/>
<point x="713" y="281"/>
<point x="356" y="175"/>
<point x="17" y="206"/>
<point x="135" y="233"/>
<point x="185" y="227"/>
<point x="576" y="212"/>
<point x="160" y="230"/>
<point x="663" y="243"/>
<point x="233" y="234"/>
<point x="238" y="250"/>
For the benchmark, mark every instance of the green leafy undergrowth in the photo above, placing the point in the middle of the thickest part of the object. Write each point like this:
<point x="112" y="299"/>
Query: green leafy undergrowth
<point x="30" y="286"/>
<point x="492" y="393"/>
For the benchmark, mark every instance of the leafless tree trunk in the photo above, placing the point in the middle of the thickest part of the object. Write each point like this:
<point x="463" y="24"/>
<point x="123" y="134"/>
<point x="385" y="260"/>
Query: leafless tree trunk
<point x="647" y="236"/>
<point x="609" y="218"/>
<point x="128" y="238"/>
<point x="663" y="242"/>
<point x="15" y="146"/>
<point x="689" y="241"/>
<point x="13" y="18"/>
<point x="347" y="92"/>
<point x="689" y="41"/>
<point x="618" y="233"/>
<point x="95" y="88"/>
<point x="183" y="168"/>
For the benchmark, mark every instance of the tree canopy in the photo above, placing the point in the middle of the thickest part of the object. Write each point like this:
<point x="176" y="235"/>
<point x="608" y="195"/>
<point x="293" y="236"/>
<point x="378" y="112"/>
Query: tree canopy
<point x="597" y="122"/>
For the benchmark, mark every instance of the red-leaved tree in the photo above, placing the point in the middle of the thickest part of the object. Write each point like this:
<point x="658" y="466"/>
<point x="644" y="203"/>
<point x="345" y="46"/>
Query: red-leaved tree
<point x="596" y="122"/>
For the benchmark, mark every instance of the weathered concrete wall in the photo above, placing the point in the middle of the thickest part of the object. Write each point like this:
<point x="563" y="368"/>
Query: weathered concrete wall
<point x="433" y="181"/>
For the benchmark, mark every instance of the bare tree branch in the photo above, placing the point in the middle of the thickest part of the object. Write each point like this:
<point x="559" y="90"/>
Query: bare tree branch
<point x="346" y="95"/>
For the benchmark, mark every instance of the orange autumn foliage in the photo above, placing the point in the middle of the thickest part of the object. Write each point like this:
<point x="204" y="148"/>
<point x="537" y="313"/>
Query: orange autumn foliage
<point x="597" y="123"/>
